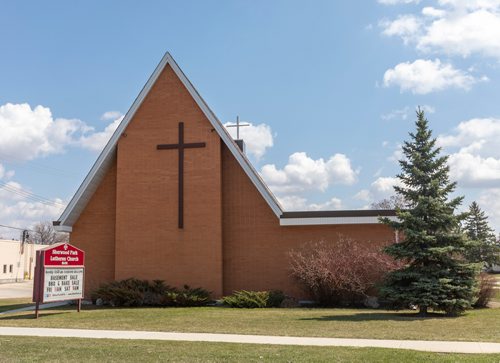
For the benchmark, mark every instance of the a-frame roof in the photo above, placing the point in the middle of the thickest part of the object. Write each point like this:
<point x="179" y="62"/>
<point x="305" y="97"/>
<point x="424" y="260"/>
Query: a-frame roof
<point x="105" y="159"/>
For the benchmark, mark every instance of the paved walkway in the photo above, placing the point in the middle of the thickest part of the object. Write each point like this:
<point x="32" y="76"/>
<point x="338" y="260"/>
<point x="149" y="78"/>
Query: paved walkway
<point x="428" y="346"/>
<point x="16" y="290"/>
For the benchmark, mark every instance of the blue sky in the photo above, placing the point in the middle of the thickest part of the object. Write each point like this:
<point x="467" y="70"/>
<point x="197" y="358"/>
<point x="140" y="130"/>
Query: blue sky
<point x="330" y="89"/>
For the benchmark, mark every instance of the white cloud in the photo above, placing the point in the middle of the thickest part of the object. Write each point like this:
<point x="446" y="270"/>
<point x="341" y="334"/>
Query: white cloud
<point x="364" y="195"/>
<point x="400" y="114"/>
<point x="433" y="12"/>
<point x="5" y="174"/>
<point x="332" y="204"/>
<point x="381" y="188"/>
<point x="257" y="138"/>
<point x="474" y="153"/>
<point x="25" y="134"/>
<point x="455" y="27"/>
<point x="293" y="202"/>
<point x="19" y="210"/>
<point x="296" y="203"/>
<point x="474" y="170"/>
<point x="28" y="133"/>
<point x="405" y="112"/>
<point x="397" y="154"/>
<point x="96" y="141"/>
<point x="478" y="134"/>
<point x="471" y="4"/>
<point x="426" y="76"/>
<point x="428" y="109"/>
<point x="405" y="26"/>
<point x="489" y="200"/>
<point x="477" y="32"/>
<point x="303" y="173"/>
<point x="111" y="115"/>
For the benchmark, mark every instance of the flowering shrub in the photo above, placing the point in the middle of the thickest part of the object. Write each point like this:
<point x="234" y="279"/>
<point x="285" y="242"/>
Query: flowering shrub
<point x="340" y="273"/>
<point x="486" y="290"/>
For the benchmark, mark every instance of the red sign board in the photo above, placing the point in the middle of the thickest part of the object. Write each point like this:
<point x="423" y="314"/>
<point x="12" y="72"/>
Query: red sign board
<point x="63" y="254"/>
<point x="59" y="274"/>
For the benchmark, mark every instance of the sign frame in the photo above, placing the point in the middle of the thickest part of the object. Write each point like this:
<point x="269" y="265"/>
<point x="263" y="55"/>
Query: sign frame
<point x="46" y="261"/>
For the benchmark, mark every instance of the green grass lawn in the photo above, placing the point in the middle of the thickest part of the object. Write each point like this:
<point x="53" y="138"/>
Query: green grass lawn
<point x="475" y="325"/>
<point x="496" y="298"/>
<point x="11" y="304"/>
<point x="36" y="349"/>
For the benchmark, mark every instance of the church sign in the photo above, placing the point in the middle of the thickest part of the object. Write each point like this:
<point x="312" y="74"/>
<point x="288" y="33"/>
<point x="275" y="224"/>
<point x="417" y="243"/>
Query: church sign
<point x="59" y="274"/>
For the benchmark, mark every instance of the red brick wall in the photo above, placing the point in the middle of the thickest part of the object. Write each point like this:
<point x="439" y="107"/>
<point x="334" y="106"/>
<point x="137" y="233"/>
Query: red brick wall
<point x="149" y="244"/>
<point x="94" y="232"/>
<point x="231" y="238"/>
<point x="255" y="245"/>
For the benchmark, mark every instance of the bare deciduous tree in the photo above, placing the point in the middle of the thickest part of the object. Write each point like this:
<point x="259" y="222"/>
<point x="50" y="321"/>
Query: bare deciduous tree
<point x="393" y="202"/>
<point x="340" y="272"/>
<point x="44" y="233"/>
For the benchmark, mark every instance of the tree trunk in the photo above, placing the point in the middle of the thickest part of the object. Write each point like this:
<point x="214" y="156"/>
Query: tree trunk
<point x="422" y="310"/>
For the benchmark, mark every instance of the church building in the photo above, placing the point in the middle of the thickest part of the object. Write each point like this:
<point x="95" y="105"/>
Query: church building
<point x="173" y="197"/>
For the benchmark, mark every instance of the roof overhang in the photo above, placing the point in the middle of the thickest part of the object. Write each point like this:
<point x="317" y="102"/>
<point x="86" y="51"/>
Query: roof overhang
<point x="105" y="159"/>
<point x="309" y="218"/>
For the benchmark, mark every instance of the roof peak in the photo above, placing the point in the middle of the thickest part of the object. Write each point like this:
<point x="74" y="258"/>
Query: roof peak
<point x="105" y="159"/>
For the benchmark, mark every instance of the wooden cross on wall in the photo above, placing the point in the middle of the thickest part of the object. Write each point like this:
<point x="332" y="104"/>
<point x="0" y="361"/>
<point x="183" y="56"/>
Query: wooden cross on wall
<point x="181" y="146"/>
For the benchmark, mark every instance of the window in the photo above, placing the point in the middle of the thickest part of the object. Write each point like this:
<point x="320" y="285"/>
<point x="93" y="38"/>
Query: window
<point x="4" y="269"/>
<point x="10" y="268"/>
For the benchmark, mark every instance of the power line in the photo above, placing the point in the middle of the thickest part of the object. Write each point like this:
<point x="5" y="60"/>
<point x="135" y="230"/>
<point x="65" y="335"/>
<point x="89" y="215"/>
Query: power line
<point x="28" y="195"/>
<point x="37" y="167"/>
<point x="20" y="229"/>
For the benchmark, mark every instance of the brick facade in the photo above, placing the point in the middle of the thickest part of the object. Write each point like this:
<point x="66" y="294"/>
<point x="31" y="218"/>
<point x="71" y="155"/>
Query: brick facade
<point x="255" y="246"/>
<point x="94" y="232"/>
<point x="231" y="238"/>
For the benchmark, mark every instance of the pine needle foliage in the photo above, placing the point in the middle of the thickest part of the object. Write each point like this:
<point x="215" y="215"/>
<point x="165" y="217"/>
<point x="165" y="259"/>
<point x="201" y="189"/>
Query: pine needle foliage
<point x="435" y="275"/>
<point x="483" y="246"/>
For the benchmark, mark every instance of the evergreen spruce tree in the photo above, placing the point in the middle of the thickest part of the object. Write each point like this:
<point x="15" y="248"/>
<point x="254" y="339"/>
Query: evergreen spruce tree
<point x="435" y="274"/>
<point x="483" y="247"/>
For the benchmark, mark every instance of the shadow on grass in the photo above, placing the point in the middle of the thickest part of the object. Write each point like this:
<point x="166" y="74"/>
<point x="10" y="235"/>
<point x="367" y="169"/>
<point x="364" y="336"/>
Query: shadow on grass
<point x="30" y="316"/>
<point x="5" y="308"/>
<point x="379" y="316"/>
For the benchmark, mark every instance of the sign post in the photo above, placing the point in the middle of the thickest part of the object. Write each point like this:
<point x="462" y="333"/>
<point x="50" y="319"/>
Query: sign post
<point x="59" y="275"/>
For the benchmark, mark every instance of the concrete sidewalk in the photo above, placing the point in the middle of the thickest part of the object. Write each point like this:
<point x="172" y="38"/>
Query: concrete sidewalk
<point x="427" y="346"/>
<point x="16" y="290"/>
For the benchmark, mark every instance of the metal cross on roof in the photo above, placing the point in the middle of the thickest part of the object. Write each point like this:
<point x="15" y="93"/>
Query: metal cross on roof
<point x="238" y="125"/>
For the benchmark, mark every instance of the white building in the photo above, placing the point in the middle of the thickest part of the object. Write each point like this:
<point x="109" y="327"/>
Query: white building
<point x="17" y="262"/>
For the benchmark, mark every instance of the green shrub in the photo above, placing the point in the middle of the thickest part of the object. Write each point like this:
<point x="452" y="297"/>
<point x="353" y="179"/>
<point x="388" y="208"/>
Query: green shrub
<point x="134" y="292"/>
<point x="186" y="297"/>
<point x="254" y="299"/>
<point x="154" y="294"/>
<point x="129" y="292"/>
<point x="275" y="299"/>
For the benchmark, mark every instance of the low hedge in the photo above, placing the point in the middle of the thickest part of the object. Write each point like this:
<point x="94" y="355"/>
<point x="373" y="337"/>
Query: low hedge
<point x="254" y="299"/>
<point x="135" y="292"/>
